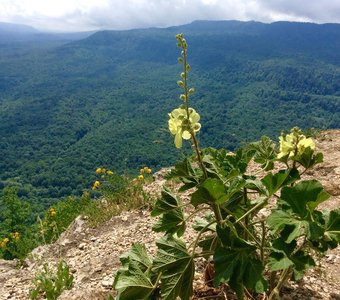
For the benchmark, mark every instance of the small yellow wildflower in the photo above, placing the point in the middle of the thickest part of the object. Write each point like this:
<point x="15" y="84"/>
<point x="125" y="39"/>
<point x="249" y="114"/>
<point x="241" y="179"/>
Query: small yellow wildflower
<point x="134" y="180"/>
<point x="15" y="235"/>
<point x="103" y="170"/>
<point x="141" y="177"/>
<point x="109" y="172"/>
<point x="147" y="170"/>
<point x="4" y="243"/>
<point x="96" y="185"/>
<point x="141" y="171"/>
<point x="99" y="170"/>
<point x="52" y="212"/>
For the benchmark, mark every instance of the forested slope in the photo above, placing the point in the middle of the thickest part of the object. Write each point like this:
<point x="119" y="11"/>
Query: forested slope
<point x="69" y="107"/>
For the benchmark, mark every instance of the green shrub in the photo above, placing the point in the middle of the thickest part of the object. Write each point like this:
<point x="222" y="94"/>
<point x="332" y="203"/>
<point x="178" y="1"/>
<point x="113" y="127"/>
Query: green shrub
<point x="115" y="194"/>
<point x="17" y="236"/>
<point x="60" y="216"/>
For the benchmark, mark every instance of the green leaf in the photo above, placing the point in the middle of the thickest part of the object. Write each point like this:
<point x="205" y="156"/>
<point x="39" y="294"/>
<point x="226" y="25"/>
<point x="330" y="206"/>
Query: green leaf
<point x="177" y="268"/>
<point x="307" y="159"/>
<point x="166" y="203"/>
<point x="172" y="220"/>
<point x="302" y="262"/>
<point x="210" y="191"/>
<point x="172" y="223"/>
<point x="236" y="263"/>
<point x="274" y="182"/>
<point x="303" y="198"/>
<point x="133" y="280"/>
<point x="208" y="244"/>
<point x="139" y="255"/>
<point x="279" y="261"/>
<point x="279" y="219"/>
<point x="333" y="225"/>
<point x="264" y="153"/>
<point x="283" y="257"/>
<point x="133" y="283"/>
<point x="185" y="171"/>
<point x="204" y="225"/>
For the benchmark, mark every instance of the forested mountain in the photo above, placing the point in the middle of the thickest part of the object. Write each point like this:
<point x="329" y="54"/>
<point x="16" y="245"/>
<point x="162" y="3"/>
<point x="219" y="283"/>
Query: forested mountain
<point x="69" y="107"/>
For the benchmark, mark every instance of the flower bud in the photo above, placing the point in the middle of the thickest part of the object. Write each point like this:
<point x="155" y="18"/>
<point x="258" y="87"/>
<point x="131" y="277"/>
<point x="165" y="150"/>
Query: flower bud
<point x="180" y="60"/>
<point x="180" y="83"/>
<point x="191" y="91"/>
<point x="182" y="97"/>
<point x="183" y="75"/>
<point x="188" y="67"/>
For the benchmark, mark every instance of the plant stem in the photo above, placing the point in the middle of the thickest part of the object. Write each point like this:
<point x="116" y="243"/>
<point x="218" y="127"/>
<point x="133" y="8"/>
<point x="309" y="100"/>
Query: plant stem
<point x="275" y="294"/>
<point x="251" y="210"/>
<point x="215" y="207"/>
<point x="199" y="235"/>
<point x="263" y="240"/>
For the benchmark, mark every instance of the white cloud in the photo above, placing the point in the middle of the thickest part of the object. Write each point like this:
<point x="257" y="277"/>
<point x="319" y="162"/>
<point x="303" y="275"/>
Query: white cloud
<point x="73" y="15"/>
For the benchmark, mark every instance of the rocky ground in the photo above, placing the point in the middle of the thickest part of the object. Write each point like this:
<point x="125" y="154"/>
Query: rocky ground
<point x="93" y="254"/>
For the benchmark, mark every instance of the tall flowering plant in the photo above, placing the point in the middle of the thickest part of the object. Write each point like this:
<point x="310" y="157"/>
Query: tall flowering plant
<point x="258" y="231"/>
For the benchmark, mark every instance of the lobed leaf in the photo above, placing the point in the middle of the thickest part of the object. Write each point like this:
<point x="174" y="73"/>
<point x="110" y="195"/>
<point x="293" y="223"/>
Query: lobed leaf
<point x="177" y="268"/>
<point x="237" y="264"/>
<point x="172" y="220"/>
<point x="133" y="283"/>
<point x="274" y="182"/>
<point x="303" y="198"/>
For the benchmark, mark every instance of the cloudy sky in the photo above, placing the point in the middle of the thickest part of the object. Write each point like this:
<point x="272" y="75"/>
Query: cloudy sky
<point x="82" y="15"/>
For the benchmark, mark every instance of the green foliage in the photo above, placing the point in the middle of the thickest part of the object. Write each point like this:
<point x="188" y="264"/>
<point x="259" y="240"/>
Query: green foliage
<point x="114" y="193"/>
<point x="51" y="285"/>
<point x="16" y="238"/>
<point x="242" y="244"/>
<point x="57" y="218"/>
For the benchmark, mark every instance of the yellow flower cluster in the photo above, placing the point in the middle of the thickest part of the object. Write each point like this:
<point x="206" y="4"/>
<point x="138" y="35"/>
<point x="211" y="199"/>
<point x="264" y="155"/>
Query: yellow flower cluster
<point x="142" y="173"/>
<point x="52" y="212"/>
<point x="294" y="143"/>
<point x="100" y="170"/>
<point x="103" y="171"/>
<point x="15" y="235"/>
<point x="145" y="170"/>
<point x="4" y="242"/>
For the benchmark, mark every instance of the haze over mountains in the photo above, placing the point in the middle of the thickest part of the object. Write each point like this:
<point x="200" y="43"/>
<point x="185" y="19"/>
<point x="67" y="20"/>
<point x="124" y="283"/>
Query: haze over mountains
<point x="71" y="103"/>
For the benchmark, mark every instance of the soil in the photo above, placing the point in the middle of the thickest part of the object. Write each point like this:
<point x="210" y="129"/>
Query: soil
<point x="93" y="253"/>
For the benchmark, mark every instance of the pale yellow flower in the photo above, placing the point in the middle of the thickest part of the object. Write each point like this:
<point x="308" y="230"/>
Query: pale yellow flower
<point x="305" y="143"/>
<point x="109" y="172"/>
<point x="183" y="127"/>
<point x="294" y="143"/>
<point x="141" y="177"/>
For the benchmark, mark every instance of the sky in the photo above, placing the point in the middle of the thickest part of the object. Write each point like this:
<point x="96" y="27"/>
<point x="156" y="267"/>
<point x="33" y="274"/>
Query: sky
<point x="86" y="15"/>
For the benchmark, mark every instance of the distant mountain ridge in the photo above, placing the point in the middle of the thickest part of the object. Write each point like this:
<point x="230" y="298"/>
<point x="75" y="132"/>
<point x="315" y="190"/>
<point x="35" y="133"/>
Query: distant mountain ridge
<point x="11" y="32"/>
